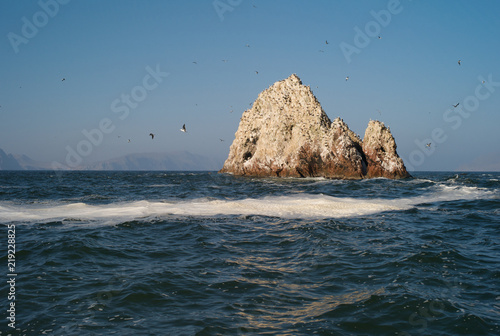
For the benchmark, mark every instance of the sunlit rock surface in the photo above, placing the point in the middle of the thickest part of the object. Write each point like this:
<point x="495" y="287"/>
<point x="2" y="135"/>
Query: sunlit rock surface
<point x="286" y="133"/>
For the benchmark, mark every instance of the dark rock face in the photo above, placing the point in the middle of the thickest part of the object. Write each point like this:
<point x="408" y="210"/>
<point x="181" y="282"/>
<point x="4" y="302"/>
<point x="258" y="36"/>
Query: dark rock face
<point x="286" y="133"/>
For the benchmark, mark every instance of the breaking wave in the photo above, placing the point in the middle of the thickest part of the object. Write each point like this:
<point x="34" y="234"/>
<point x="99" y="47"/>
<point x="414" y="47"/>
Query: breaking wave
<point x="300" y="205"/>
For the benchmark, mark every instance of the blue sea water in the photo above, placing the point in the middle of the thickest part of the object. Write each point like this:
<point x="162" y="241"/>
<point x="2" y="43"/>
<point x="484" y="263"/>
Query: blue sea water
<point x="201" y="253"/>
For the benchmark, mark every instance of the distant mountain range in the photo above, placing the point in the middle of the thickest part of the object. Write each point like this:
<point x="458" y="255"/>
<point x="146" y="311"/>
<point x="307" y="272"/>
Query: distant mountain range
<point x="181" y="160"/>
<point x="8" y="161"/>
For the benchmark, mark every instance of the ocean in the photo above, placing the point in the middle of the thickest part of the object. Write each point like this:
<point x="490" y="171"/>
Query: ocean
<point x="201" y="253"/>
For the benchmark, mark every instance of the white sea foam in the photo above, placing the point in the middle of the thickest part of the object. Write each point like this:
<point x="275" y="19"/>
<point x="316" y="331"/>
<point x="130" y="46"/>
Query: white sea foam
<point x="295" y="206"/>
<point x="299" y="205"/>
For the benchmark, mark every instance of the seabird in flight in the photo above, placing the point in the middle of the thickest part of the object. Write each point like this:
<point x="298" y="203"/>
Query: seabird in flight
<point x="326" y="42"/>
<point x="152" y="136"/>
<point x="62" y="80"/>
<point x="183" y="129"/>
<point x="456" y="105"/>
<point x="347" y="78"/>
<point x="257" y="72"/>
<point x="428" y="145"/>
<point x="459" y="62"/>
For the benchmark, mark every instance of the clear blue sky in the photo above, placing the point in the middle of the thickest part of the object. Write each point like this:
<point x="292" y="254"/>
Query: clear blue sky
<point x="409" y="77"/>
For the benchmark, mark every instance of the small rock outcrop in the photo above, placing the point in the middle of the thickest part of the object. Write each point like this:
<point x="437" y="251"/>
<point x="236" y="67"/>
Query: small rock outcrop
<point x="379" y="148"/>
<point x="286" y="133"/>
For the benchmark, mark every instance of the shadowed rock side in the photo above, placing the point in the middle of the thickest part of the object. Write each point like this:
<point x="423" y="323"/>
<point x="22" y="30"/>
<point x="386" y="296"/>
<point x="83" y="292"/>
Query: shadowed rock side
<point x="286" y="133"/>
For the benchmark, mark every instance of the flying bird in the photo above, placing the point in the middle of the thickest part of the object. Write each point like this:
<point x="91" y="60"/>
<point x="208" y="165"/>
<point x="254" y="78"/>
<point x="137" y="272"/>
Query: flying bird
<point x="379" y="37"/>
<point x="195" y="62"/>
<point x="456" y="105"/>
<point x="152" y="136"/>
<point x="326" y="42"/>
<point x="247" y="45"/>
<point x="347" y="78"/>
<point x="225" y="61"/>
<point x="257" y="72"/>
<point x="183" y="129"/>
<point x="428" y="145"/>
<point x="459" y="62"/>
<point x="222" y="140"/>
<point x="321" y="51"/>
<point x="62" y="80"/>
<point x="128" y="140"/>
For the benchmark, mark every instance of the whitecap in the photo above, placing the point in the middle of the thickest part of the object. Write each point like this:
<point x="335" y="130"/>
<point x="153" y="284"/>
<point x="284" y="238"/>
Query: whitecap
<point x="299" y="205"/>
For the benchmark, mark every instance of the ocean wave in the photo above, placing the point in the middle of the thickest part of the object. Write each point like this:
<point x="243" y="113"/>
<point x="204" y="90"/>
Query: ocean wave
<point x="301" y="205"/>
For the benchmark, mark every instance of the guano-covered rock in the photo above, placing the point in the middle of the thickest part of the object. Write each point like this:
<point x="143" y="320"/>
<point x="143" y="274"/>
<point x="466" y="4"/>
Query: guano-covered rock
<point x="286" y="133"/>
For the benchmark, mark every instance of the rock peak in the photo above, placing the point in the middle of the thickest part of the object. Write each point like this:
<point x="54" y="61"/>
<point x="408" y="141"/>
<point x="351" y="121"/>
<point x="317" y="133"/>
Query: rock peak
<point x="287" y="133"/>
<point x="294" y="79"/>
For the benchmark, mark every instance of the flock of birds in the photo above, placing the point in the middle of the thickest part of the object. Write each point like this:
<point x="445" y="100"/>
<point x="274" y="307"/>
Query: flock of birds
<point x="152" y="135"/>
<point x="428" y="145"/>
<point x="184" y="130"/>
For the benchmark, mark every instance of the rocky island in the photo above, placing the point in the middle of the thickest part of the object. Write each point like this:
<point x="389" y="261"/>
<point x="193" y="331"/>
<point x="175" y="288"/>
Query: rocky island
<point x="286" y="133"/>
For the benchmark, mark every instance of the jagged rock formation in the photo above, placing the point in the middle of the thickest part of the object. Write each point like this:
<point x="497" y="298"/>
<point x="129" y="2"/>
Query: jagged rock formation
<point x="379" y="148"/>
<point x="286" y="133"/>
